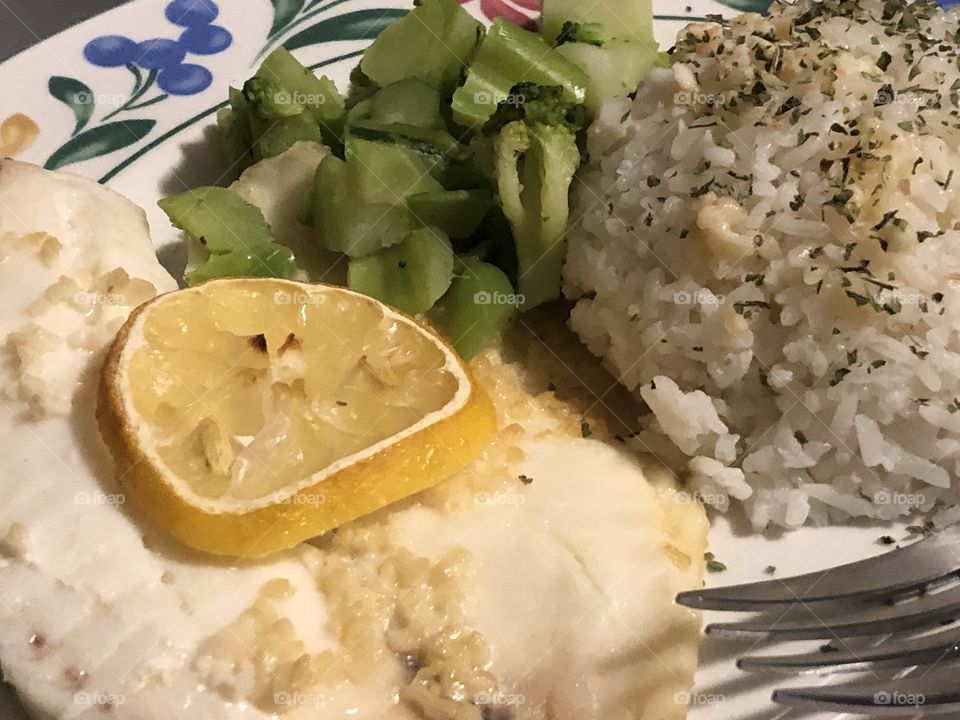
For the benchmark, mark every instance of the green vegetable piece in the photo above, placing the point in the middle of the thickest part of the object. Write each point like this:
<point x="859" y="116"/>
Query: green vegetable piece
<point x="540" y="104"/>
<point x="233" y="124"/>
<point x="407" y="102"/>
<point x="284" y="134"/>
<point x="535" y="167"/>
<point x="410" y="276"/>
<point x="218" y="218"/>
<point x="238" y="103"/>
<point x="388" y="173"/>
<point x="614" y="70"/>
<point x="587" y="33"/>
<point x="478" y="307"/>
<point x="344" y="223"/>
<point x="508" y="56"/>
<point x="432" y="42"/>
<point x="712" y="564"/>
<point x="234" y="133"/>
<point x="361" y="87"/>
<point x="234" y="237"/>
<point x="283" y="85"/>
<point x="457" y="212"/>
<point x="434" y="146"/>
<point x="283" y="103"/>
<point x="270" y="101"/>
<point x="627" y="20"/>
<point x="628" y="49"/>
<point x="546" y="105"/>
<point x="273" y="261"/>
<point x="405" y="113"/>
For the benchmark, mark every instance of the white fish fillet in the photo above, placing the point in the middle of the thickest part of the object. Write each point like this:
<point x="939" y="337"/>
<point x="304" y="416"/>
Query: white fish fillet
<point x="489" y="597"/>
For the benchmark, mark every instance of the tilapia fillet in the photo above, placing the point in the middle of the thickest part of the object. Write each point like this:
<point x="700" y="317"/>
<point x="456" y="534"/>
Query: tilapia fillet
<point x="537" y="584"/>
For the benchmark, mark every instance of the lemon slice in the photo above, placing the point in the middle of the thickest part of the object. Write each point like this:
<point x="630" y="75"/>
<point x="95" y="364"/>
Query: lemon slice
<point x="247" y="415"/>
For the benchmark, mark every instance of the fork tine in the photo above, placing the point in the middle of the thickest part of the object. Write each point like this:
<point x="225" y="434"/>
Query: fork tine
<point x="923" y="563"/>
<point x="851" y="621"/>
<point x="891" y="699"/>
<point x="929" y="649"/>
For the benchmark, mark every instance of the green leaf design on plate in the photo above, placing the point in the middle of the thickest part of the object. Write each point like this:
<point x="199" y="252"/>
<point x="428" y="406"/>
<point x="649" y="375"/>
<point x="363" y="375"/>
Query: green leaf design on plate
<point x="357" y="25"/>
<point x="283" y="12"/>
<point x="76" y="96"/>
<point x="758" y="6"/>
<point x="98" y="141"/>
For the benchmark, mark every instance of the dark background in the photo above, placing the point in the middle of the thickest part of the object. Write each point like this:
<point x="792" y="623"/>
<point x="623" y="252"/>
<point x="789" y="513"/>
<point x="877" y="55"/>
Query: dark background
<point x="26" y="22"/>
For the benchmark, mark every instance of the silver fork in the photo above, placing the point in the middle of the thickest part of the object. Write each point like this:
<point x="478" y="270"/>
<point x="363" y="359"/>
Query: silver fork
<point x="914" y="589"/>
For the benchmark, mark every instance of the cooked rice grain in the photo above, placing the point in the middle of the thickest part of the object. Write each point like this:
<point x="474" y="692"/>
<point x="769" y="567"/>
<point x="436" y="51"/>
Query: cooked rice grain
<point x="766" y="251"/>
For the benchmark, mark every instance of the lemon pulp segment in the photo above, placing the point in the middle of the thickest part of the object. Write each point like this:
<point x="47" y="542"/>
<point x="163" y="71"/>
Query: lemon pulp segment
<point x="240" y="394"/>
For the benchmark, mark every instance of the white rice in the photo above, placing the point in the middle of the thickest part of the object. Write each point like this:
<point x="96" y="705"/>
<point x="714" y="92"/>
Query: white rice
<point x="737" y="262"/>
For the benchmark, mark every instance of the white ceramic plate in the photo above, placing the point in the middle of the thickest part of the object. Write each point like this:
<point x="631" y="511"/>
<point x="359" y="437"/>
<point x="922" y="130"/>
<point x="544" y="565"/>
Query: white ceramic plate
<point x="146" y="130"/>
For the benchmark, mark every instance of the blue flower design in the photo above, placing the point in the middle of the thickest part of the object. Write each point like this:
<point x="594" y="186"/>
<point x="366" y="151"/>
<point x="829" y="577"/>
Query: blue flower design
<point x="184" y="79"/>
<point x="206" y="39"/>
<point x="165" y="58"/>
<point x="110" y="51"/>
<point x="159" y="53"/>
<point x="192" y="13"/>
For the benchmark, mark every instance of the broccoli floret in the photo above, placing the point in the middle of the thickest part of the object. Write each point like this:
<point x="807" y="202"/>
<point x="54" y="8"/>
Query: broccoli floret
<point x="544" y="104"/>
<point x="534" y="169"/>
<point x="589" y="33"/>
<point x="269" y="101"/>
<point x="361" y="88"/>
<point x="547" y="105"/>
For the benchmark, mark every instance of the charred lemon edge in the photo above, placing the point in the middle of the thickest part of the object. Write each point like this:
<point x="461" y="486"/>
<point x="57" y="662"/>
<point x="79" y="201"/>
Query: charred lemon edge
<point x="404" y="468"/>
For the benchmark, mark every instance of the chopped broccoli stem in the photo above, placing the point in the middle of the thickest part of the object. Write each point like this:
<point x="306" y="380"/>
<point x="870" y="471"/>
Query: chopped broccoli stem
<point x="218" y="218"/>
<point x="273" y="261"/>
<point x="409" y="102"/>
<point x="234" y="127"/>
<point x="284" y="134"/>
<point x="625" y="20"/>
<point x="457" y="212"/>
<point x="435" y="146"/>
<point x="298" y="86"/>
<point x="407" y="114"/>
<point x="478" y="307"/>
<point x="508" y="56"/>
<point x="231" y="236"/>
<point x="433" y="42"/>
<point x="586" y="33"/>
<point x="614" y="70"/>
<point x="342" y="222"/>
<point x="389" y="173"/>
<point x="535" y="167"/>
<point x="234" y="133"/>
<point x="410" y="276"/>
<point x="611" y="40"/>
